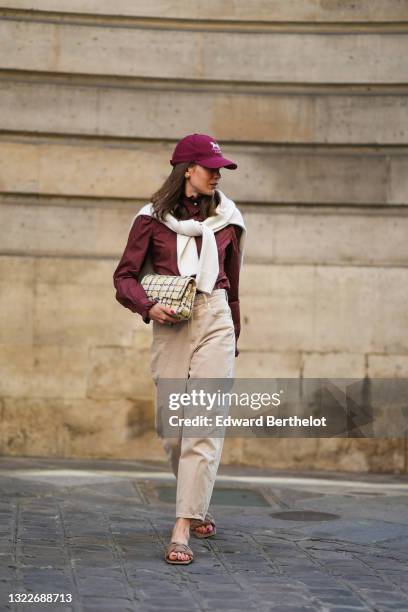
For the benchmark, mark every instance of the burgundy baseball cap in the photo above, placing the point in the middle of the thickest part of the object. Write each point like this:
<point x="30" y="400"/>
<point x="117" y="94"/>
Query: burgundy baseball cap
<point x="201" y="149"/>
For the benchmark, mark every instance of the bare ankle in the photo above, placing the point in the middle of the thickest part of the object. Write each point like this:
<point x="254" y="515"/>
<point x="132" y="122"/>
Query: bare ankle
<point x="182" y="520"/>
<point x="182" y="526"/>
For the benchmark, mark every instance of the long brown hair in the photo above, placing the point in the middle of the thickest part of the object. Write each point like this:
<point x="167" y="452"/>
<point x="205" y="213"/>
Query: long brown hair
<point x="169" y="198"/>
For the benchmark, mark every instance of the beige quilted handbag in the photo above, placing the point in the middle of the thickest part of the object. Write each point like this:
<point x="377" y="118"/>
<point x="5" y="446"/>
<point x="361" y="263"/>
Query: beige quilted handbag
<point x="178" y="292"/>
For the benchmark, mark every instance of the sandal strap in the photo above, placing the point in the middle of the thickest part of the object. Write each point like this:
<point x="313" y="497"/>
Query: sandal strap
<point x="179" y="547"/>
<point x="209" y="519"/>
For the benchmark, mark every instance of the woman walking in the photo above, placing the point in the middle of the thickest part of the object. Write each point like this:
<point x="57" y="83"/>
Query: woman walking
<point x="190" y="228"/>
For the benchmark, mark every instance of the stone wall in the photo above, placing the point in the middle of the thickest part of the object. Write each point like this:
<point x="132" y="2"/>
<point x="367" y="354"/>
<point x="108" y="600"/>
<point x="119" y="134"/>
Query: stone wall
<point x="308" y="96"/>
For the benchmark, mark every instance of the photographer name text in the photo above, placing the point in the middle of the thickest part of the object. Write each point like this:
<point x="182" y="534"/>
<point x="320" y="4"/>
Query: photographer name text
<point x="259" y="421"/>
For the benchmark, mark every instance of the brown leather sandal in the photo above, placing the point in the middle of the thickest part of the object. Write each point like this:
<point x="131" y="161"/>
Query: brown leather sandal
<point x="178" y="547"/>
<point x="209" y="520"/>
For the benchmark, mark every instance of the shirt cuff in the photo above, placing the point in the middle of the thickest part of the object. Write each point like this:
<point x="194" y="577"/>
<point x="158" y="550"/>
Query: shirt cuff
<point x="145" y="312"/>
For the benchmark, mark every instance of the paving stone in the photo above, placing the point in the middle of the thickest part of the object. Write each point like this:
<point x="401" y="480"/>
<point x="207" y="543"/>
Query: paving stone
<point x="343" y="600"/>
<point x="348" y="608"/>
<point x="94" y="542"/>
<point x="106" y="602"/>
<point x="289" y="608"/>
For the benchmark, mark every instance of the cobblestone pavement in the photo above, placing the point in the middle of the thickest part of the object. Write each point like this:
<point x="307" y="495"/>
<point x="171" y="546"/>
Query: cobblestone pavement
<point x="97" y="530"/>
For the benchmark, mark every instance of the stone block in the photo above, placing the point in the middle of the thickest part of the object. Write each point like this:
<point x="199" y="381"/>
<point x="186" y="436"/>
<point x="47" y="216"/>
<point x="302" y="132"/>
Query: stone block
<point x="79" y="428"/>
<point x="360" y="309"/>
<point x="62" y="230"/>
<point x="277" y="305"/>
<point x="324" y="309"/>
<point x="232" y="451"/>
<point x="78" y="314"/>
<point x="275" y="453"/>
<point x="47" y="371"/>
<point x="83" y="170"/>
<point x="67" y="230"/>
<point x="331" y="236"/>
<point x="333" y="365"/>
<point x="119" y="372"/>
<point x="231" y="10"/>
<point x="254" y="364"/>
<point x="361" y="455"/>
<point x="16" y="315"/>
<point x="232" y="114"/>
<point x="24" y="423"/>
<point x="65" y="314"/>
<point x="81" y="273"/>
<point x="387" y="366"/>
<point x="398" y="180"/>
<point x="330" y="454"/>
<point x="313" y="57"/>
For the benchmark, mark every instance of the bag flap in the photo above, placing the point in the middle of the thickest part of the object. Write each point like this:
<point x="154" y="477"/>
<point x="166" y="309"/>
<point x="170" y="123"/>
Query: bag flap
<point x="172" y="286"/>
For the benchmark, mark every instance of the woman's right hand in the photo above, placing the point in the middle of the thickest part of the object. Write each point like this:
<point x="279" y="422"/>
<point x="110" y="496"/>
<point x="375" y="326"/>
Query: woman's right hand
<point x="162" y="314"/>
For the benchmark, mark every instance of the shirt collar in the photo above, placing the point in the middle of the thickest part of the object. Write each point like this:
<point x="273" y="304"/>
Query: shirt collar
<point x="193" y="210"/>
<point x="194" y="200"/>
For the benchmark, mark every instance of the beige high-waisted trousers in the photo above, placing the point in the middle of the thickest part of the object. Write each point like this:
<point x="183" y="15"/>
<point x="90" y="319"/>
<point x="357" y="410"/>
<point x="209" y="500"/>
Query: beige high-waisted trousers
<point x="202" y="347"/>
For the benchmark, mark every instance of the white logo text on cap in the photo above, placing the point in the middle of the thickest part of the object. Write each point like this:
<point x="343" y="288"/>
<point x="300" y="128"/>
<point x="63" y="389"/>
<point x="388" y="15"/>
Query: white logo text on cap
<point x="215" y="147"/>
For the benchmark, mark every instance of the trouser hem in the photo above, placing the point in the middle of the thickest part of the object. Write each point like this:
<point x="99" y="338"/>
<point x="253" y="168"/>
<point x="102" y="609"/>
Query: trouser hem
<point x="187" y="515"/>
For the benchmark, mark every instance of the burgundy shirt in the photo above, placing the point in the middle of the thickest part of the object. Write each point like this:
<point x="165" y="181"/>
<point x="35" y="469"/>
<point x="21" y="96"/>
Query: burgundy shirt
<point x="149" y="235"/>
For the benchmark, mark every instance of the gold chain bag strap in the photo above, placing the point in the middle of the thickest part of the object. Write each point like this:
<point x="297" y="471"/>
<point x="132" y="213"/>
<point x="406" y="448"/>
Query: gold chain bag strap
<point x="178" y="292"/>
